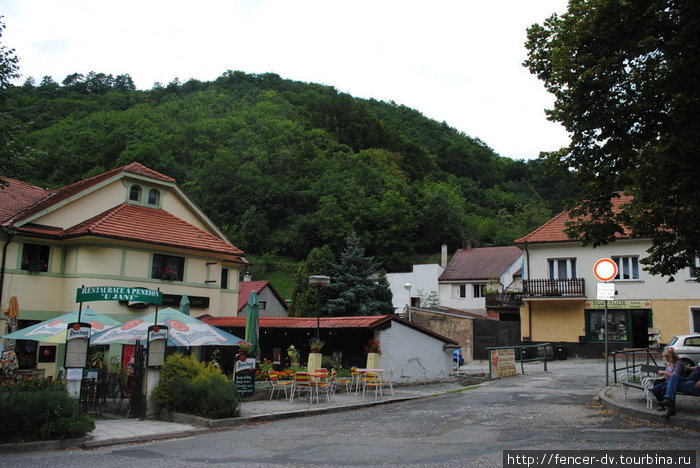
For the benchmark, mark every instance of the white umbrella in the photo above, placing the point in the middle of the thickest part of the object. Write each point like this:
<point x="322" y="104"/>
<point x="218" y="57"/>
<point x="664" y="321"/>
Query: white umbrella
<point x="183" y="330"/>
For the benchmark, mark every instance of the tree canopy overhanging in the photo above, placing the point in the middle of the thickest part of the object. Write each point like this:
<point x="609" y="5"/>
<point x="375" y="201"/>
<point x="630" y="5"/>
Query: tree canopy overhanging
<point x="626" y="78"/>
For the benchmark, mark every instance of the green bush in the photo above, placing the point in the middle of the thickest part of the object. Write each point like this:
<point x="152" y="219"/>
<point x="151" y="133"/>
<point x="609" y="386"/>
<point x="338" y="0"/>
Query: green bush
<point x="41" y="415"/>
<point x="189" y="386"/>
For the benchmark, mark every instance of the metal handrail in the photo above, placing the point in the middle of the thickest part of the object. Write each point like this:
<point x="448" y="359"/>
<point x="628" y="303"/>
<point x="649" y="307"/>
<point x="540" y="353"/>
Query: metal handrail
<point x="647" y="354"/>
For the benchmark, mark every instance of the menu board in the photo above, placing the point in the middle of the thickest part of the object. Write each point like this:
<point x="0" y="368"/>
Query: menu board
<point x="245" y="377"/>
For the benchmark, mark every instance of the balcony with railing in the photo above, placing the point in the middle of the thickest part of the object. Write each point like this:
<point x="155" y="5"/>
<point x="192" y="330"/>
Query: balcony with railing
<point x="504" y="300"/>
<point x="567" y="287"/>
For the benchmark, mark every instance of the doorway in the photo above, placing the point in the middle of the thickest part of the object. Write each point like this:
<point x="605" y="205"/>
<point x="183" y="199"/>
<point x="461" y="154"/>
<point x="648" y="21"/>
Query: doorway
<point x="640" y="328"/>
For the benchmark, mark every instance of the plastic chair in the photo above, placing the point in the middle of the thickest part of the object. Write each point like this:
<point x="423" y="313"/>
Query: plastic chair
<point x="328" y="387"/>
<point x="302" y="383"/>
<point x="389" y="380"/>
<point x="371" y="380"/>
<point x="342" y="381"/>
<point x="277" y="384"/>
<point x="355" y="376"/>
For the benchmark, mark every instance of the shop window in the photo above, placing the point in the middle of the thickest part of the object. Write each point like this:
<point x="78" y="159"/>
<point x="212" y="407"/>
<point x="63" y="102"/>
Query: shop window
<point x="627" y="268"/>
<point x="561" y="268"/>
<point x="153" y="197"/>
<point x="135" y="193"/>
<point x="479" y="290"/>
<point x="617" y="325"/>
<point x="168" y="267"/>
<point x="35" y="258"/>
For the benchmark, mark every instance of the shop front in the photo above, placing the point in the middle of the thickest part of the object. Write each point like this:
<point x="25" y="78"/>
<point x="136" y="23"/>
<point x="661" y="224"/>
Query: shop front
<point x="628" y="323"/>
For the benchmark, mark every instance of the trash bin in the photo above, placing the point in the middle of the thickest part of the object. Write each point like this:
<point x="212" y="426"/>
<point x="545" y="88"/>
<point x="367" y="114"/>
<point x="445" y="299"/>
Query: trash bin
<point x="560" y="351"/>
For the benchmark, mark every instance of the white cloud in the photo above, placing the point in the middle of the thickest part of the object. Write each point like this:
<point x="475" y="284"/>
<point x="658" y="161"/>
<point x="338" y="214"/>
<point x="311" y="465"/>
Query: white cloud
<point x="454" y="61"/>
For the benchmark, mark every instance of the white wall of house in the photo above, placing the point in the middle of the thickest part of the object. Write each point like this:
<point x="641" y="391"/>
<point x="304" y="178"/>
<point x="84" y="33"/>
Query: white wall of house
<point x="413" y="355"/>
<point x="647" y="286"/>
<point x="507" y="279"/>
<point x="423" y="279"/>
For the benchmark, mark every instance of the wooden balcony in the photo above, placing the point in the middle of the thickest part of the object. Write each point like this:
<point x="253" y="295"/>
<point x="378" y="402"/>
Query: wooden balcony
<point x="504" y="300"/>
<point x="571" y="287"/>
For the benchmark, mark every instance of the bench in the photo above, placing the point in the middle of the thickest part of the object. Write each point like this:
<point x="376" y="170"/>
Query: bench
<point x="645" y="384"/>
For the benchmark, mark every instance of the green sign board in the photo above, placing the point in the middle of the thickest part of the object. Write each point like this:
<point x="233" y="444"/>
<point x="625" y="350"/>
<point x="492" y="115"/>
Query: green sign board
<point x="635" y="304"/>
<point x="113" y="293"/>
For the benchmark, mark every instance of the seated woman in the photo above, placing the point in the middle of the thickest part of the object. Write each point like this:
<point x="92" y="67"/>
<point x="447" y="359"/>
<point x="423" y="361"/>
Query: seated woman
<point x="674" y="365"/>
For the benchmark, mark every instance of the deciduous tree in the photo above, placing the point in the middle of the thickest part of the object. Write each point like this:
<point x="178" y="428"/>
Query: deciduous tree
<point x="626" y="77"/>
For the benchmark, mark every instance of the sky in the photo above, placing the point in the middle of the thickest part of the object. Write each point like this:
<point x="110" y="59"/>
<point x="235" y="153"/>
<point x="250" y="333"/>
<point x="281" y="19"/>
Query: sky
<point x="457" y="61"/>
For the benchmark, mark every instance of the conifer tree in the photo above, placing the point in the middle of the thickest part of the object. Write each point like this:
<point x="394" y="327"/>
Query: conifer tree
<point x="320" y="261"/>
<point x="357" y="287"/>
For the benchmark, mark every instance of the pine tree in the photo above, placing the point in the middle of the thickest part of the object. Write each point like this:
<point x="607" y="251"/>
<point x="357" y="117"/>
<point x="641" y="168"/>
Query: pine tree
<point x="357" y="287"/>
<point x="320" y="261"/>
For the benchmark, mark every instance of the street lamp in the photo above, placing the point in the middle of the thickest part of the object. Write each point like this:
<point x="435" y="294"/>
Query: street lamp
<point x="318" y="281"/>
<point x="407" y="286"/>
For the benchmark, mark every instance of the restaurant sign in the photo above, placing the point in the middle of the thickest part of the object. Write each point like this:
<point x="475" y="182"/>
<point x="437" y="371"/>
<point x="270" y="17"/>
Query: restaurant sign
<point x="113" y="293"/>
<point x="636" y="304"/>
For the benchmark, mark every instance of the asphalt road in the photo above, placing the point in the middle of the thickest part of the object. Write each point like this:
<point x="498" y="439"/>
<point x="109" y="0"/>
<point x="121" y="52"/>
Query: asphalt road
<point x="554" y="411"/>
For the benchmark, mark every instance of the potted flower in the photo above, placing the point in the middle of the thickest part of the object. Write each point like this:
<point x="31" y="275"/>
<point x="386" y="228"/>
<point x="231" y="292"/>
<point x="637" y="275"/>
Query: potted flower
<point x="293" y="355"/>
<point x="315" y="356"/>
<point x="373" y="348"/>
<point x="243" y="348"/>
<point x="166" y="273"/>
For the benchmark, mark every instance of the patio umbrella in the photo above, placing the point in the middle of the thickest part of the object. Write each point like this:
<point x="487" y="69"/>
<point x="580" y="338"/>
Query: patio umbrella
<point x="252" y="322"/>
<point x="183" y="330"/>
<point x="54" y="330"/>
<point x="185" y="304"/>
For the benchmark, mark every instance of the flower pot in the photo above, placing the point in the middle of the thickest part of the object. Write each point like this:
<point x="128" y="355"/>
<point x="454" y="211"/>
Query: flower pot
<point x="373" y="361"/>
<point x="314" y="362"/>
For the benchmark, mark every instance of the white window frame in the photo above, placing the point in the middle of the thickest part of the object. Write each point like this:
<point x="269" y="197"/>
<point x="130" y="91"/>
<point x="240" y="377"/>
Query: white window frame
<point x="554" y="268"/>
<point x="694" y="271"/>
<point x="627" y="265"/>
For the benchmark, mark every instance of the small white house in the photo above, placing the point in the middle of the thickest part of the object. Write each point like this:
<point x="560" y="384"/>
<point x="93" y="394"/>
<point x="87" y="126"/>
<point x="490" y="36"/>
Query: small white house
<point x="414" y="354"/>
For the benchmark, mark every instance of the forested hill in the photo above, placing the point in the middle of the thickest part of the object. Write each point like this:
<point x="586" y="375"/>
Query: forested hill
<point x="284" y="166"/>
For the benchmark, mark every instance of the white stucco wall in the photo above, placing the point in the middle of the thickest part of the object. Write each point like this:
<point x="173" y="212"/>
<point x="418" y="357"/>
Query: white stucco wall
<point x="414" y="356"/>
<point x="422" y="278"/>
<point x="647" y="287"/>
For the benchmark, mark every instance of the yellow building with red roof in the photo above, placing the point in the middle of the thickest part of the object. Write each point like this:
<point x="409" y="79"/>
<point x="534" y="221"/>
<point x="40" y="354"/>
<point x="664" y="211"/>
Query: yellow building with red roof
<point x="129" y="227"/>
<point x="561" y="299"/>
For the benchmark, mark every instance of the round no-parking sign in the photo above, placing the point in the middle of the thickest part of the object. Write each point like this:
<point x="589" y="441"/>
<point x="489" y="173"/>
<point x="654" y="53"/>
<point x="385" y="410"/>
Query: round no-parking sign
<point x="605" y="269"/>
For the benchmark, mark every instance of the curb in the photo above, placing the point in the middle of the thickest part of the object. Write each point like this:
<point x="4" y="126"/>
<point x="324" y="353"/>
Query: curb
<point x="648" y="415"/>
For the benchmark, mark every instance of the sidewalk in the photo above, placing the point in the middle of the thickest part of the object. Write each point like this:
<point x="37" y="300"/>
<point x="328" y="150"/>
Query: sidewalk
<point x="119" y="431"/>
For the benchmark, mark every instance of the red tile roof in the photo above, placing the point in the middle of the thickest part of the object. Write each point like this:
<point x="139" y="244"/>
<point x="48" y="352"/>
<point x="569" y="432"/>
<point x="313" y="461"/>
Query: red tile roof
<point x="244" y="289"/>
<point x="554" y="229"/>
<point x="52" y="197"/>
<point x="482" y="263"/>
<point x="150" y="225"/>
<point x="363" y="321"/>
<point x="18" y="196"/>
<point x="360" y="321"/>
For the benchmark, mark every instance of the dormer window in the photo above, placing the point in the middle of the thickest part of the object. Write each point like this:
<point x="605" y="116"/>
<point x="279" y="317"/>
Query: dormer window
<point x="153" y="197"/>
<point x="135" y="193"/>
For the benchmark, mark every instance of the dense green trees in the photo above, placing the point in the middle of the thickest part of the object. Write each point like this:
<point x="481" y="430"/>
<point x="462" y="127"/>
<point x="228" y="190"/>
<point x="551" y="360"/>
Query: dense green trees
<point x="284" y="166"/>
<point x="626" y="77"/>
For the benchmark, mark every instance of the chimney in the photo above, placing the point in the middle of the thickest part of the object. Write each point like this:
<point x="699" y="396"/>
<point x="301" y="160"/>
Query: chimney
<point x="443" y="256"/>
<point x="247" y="277"/>
<point x="467" y="245"/>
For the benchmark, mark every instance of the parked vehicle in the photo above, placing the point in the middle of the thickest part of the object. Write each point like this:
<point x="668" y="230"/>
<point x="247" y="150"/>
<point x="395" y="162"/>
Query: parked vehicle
<point x="687" y="347"/>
